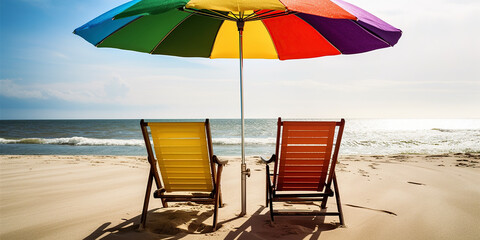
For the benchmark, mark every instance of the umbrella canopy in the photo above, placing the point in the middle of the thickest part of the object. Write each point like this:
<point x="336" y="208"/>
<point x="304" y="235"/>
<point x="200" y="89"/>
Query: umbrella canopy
<point x="270" y="29"/>
<point x="273" y="29"/>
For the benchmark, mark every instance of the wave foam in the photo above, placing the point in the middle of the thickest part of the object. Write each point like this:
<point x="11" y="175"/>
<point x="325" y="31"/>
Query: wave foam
<point x="83" y="141"/>
<point x="237" y="141"/>
<point x="75" y="141"/>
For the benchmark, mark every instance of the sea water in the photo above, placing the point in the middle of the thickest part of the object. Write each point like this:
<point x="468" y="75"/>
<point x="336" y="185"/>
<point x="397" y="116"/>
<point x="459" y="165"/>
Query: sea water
<point x="123" y="137"/>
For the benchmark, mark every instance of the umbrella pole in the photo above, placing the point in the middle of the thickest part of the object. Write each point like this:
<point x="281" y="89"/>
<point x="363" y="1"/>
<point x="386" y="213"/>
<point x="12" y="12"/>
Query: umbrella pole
<point x="244" y="170"/>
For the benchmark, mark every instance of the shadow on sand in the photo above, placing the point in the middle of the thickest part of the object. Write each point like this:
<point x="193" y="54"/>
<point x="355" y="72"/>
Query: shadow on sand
<point x="177" y="224"/>
<point x="258" y="226"/>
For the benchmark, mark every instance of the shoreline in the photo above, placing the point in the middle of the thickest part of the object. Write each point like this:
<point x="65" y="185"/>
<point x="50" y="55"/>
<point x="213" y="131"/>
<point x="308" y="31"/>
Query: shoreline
<point x="441" y="154"/>
<point x="398" y="196"/>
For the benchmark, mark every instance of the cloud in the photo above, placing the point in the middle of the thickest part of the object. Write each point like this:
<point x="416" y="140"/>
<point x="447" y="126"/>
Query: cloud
<point x="108" y="91"/>
<point x="9" y="88"/>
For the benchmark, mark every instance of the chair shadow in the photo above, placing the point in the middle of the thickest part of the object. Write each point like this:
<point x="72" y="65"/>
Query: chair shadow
<point x="259" y="226"/>
<point x="164" y="224"/>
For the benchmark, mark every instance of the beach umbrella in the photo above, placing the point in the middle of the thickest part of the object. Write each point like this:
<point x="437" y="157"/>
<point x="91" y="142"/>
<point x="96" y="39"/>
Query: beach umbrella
<point x="268" y="29"/>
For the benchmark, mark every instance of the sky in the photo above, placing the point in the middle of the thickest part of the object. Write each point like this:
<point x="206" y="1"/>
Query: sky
<point x="47" y="72"/>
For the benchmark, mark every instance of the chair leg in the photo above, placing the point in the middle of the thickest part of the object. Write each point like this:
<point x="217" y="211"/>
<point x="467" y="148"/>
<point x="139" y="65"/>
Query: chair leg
<point x="324" y="202"/>
<point x="164" y="200"/>
<point x="215" y="210"/>
<point x="220" y="202"/>
<point x="271" y="208"/>
<point x="164" y="203"/>
<point x="217" y="196"/>
<point x="147" y="200"/>
<point x="270" y="198"/>
<point x="325" y="199"/>
<point x="337" y="197"/>
<point x="266" y="187"/>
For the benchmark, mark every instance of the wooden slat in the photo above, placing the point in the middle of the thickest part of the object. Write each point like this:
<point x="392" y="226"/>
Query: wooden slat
<point x="173" y="176"/>
<point x="308" y="133"/>
<point x="193" y="182"/>
<point x="313" y="162"/>
<point x="189" y="182"/>
<point x="178" y="170"/>
<point x="188" y="188"/>
<point x="300" y="187"/>
<point x="178" y="149"/>
<point x="293" y="176"/>
<point x="305" y="148"/>
<point x="305" y="155"/>
<point x="179" y="142"/>
<point x="177" y="126"/>
<point x="178" y="135"/>
<point x="184" y="195"/>
<point x="305" y="141"/>
<point x="299" y="180"/>
<point x="188" y="171"/>
<point x="303" y="168"/>
<point x="288" y="126"/>
<point x="186" y="179"/>
<point x="182" y="157"/>
<point x="183" y="168"/>
<point x="301" y="184"/>
<point x="301" y="174"/>
<point x="182" y="162"/>
<point x="306" y="167"/>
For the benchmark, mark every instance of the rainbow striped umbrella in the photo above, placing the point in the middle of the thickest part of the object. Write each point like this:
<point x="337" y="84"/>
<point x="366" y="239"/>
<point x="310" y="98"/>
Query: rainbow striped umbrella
<point x="270" y="29"/>
<point x="286" y="29"/>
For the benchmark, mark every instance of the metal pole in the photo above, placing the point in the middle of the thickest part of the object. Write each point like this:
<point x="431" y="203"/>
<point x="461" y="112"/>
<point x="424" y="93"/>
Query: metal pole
<point x="244" y="171"/>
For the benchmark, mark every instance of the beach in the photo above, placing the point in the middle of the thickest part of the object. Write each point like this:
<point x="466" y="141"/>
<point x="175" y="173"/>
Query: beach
<point x="100" y="197"/>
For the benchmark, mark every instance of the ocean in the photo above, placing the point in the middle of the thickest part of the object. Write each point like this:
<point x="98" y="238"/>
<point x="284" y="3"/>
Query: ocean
<point x="123" y="137"/>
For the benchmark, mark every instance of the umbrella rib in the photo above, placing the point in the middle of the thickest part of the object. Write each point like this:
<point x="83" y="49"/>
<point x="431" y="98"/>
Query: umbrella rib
<point x="264" y="16"/>
<point x="223" y="15"/>
<point x="249" y="16"/>
<point x="171" y="30"/>
<point x="209" y="13"/>
<point x="333" y="45"/>
<point x="96" y="45"/>
<point x="234" y="17"/>
<point x="255" y="15"/>
<point x="370" y="32"/>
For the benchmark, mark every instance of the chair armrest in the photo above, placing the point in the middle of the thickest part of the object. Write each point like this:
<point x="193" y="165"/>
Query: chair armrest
<point x="273" y="158"/>
<point x="218" y="161"/>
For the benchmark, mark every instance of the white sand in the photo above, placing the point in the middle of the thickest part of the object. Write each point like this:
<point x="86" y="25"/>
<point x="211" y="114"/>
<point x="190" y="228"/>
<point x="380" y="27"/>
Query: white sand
<point x="101" y="197"/>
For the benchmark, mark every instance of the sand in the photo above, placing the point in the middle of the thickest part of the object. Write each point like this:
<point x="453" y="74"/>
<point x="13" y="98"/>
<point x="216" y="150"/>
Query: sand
<point x="101" y="197"/>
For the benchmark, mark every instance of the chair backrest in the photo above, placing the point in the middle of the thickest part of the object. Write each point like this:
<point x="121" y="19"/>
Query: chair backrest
<point x="305" y="156"/>
<point x="183" y="152"/>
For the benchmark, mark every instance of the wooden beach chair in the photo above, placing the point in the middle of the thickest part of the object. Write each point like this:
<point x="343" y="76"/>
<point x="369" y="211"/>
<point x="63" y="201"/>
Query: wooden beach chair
<point x="304" y="166"/>
<point x="182" y="155"/>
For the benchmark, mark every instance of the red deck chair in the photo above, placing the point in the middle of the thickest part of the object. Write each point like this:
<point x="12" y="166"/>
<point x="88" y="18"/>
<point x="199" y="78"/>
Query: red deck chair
<point x="305" y="166"/>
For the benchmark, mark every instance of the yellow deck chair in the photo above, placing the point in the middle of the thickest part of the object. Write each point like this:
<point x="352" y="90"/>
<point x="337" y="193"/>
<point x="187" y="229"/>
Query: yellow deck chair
<point x="183" y="153"/>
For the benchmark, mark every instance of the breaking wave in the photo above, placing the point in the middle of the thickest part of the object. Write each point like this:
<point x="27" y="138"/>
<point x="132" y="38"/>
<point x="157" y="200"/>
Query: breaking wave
<point x="237" y="141"/>
<point x="83" y="141"/>
<point x="75" y="141"/>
